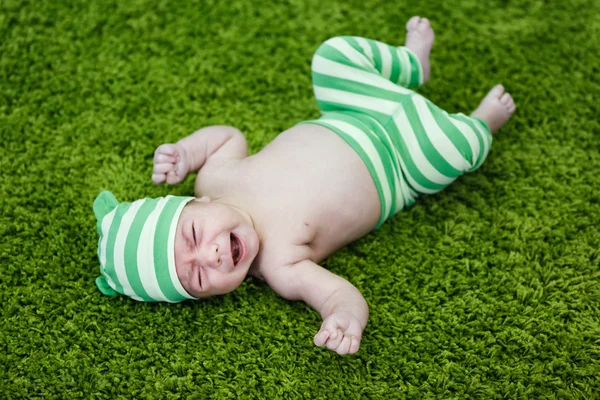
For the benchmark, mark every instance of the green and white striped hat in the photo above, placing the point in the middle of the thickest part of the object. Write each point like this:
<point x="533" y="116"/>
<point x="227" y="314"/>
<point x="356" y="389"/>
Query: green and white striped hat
<point x="137" y="247"/>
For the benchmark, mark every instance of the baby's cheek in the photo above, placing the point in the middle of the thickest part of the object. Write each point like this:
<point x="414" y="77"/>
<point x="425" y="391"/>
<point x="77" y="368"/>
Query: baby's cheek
<point x="225" y="283"/>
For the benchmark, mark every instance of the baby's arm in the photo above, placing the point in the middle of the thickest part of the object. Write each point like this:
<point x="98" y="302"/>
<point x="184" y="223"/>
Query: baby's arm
<point x="172" y="162"/>
<point x="342" y="307"/>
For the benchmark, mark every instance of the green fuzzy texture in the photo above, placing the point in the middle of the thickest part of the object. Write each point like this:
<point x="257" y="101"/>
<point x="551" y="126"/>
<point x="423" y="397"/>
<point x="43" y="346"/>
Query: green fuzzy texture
<point x="489" y="289"/>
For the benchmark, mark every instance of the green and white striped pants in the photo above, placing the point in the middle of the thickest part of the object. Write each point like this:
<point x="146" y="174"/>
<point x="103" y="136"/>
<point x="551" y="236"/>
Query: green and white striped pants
<point x="409" y="145"/>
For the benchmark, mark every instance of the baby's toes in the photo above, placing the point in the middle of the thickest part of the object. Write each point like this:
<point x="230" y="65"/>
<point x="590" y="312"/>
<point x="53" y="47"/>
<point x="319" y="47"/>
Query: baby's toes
<point x="512" y="101"/>
<point x="412" y="23"/>
<point x="511" y="104"/>
<point x="423" y="25"/>
<point x="497" y="91"/>
<point x="508" y="102"/>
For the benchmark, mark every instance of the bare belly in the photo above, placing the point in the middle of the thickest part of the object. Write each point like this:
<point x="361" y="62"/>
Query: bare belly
<point x="325" y="184"/>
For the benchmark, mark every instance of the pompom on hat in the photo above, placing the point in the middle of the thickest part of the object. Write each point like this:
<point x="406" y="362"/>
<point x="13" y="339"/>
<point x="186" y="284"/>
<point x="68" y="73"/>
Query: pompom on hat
<point x="137" y="247"/>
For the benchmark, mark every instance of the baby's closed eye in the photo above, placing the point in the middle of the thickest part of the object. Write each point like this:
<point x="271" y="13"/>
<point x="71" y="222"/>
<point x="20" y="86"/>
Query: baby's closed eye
<point x="199" y="273"/>
<point x="194" y="234"/>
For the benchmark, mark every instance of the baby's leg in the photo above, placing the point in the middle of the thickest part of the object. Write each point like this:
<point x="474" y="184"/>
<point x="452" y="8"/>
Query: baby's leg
<point x="356" y="74"/>
<point x="435" y="147"/>
<point x="419" y="39"/>
<point x="352" y="73"/>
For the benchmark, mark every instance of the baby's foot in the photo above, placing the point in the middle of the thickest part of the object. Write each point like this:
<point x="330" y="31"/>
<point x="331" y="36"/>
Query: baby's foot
<point x="419" y="39"/>
<point x="495" y="108"/>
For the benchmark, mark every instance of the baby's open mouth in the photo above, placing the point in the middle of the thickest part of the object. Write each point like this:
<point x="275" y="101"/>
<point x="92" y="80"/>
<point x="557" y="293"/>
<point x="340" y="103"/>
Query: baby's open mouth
<point x="236" y="248"/>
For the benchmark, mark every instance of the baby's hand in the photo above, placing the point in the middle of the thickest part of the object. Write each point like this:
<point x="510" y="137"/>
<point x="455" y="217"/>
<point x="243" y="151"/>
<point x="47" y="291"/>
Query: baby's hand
<point x="341" y="331"/>
<point x="170" y="164"/>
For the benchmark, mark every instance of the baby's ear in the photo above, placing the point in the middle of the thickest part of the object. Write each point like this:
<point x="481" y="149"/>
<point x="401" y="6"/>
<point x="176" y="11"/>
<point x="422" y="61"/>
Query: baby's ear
<point x="104" y="203"/>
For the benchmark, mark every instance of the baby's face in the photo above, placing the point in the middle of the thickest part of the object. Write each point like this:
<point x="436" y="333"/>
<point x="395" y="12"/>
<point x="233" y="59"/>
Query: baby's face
<point x="215" y="245"/>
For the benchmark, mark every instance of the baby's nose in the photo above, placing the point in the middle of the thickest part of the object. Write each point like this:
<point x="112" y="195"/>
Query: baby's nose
<point x="213" y="257"/>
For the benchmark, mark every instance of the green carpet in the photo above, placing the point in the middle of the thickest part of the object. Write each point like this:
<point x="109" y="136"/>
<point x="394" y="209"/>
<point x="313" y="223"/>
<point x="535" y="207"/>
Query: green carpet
<point x="489" y="289"/>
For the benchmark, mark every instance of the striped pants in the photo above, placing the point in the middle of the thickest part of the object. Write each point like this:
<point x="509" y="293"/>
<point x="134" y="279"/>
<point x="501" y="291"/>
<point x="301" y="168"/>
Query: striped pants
<point x="410" y="146"/>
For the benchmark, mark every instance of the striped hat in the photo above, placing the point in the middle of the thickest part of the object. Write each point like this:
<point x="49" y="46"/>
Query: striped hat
<point x="137" y="247"/>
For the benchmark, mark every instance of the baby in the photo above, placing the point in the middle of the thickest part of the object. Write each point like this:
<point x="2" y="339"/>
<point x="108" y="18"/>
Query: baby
<point x="317" y="187"/>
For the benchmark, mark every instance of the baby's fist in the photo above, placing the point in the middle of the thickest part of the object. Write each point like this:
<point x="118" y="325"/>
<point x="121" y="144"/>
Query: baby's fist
<point x="170" y="164"/>
<point x="341" y="332"/>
